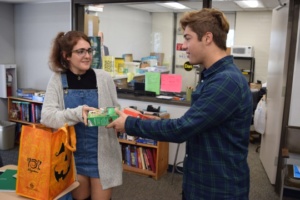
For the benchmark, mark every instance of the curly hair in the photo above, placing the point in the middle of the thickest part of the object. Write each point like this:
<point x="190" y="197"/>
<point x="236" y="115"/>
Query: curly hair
<point x="64" y="42"/>
<point x="207" y="20"/>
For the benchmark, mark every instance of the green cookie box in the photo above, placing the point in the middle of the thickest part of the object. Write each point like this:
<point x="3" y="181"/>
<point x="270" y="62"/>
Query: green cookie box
<point x="102" y="117"/>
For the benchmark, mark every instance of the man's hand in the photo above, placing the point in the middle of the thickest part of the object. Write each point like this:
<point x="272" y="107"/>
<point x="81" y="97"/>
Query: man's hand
<point x="118" y="124"/>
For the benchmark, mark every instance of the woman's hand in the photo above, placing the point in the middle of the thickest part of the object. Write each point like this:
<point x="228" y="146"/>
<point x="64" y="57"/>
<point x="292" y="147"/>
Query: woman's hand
<point x="85" y="111"/>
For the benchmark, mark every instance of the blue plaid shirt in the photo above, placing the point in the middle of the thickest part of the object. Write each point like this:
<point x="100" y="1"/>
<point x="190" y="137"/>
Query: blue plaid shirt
<point x="216" y="130"/>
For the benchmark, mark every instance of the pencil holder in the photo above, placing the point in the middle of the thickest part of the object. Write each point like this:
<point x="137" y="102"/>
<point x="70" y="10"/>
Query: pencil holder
<point x="188" y="94"/>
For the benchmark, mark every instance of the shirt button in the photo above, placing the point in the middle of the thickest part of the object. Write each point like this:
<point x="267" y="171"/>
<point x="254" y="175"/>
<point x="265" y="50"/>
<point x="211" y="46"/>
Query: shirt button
<point x="186" y="155"/>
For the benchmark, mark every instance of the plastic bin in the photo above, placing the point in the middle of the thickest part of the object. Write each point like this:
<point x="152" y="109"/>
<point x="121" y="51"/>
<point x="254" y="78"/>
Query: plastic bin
<point x="7" y="135"/>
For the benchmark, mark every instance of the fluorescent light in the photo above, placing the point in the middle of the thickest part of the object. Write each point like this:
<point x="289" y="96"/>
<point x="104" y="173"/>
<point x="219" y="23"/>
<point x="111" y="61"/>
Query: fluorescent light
<point x="174" y="5"/>
<point x="95" y="8"/>
<point x="250" y="4"/>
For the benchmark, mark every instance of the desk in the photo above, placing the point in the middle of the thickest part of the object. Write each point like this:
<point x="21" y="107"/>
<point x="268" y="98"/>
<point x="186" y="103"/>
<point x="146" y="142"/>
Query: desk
<point x="14" y="196"/>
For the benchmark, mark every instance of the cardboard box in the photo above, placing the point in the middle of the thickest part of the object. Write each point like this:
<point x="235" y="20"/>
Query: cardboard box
<point x="135" y="113"/>
<point x="102" y="117"/>
<point x="91" y="25"/>
<point x="256" y="86"/>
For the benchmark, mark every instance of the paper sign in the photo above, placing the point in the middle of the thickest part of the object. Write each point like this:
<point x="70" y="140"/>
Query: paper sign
<point x="152" y="82"/>
<point x="171" y="83"/>
<point x="90" y="28"/>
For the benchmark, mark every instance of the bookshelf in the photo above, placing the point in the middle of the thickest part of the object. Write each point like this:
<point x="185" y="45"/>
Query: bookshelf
<point x="24" y="111"/>
<point x="160" y="158"/>
<point x="132" y="156"/>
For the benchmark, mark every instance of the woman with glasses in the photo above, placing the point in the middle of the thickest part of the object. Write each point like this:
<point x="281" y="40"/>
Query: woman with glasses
<point x="73" y="90"/>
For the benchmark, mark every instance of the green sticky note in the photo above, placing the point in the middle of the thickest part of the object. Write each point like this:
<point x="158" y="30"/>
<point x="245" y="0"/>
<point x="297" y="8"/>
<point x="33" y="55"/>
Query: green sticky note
<point x="152" y="82"/>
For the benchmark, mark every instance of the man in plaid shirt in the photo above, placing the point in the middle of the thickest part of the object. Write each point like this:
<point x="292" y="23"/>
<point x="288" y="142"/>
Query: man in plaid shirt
<point x="217" y="125"/>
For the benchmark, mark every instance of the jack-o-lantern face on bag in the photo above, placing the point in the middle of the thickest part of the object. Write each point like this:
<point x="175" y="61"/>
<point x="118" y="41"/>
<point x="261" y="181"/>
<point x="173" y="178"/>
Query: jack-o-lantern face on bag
<point x="62" y="169"/>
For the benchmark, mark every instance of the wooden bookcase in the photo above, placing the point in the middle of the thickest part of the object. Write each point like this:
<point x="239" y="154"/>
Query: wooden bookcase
<point x="161" y="159"/>
<point x="16" y="114"/>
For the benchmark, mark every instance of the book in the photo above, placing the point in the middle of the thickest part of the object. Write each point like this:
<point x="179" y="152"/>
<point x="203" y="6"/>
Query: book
<point x="136" y="157"/>
<point x="8" y="181"/>
<point x="147" y="164"/>
<point x="123" y="154"/>
<point x="154" y="154"/>
<point x="139" y="158"/>
<point x="296" y="171"/>
<point x="133" y="156"/>
<point x="128" y="158"/>
<point x="142" y="157"/>
<point x="27" y="90"/>
<point x="146" y="141"/>
<point x="109" y="65"/>
<point x="119" y="65"/>
<point x="150" y="159"/>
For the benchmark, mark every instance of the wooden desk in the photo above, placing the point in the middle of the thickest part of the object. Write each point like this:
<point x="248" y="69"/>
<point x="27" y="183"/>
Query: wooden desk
<point x="14" y="196"/>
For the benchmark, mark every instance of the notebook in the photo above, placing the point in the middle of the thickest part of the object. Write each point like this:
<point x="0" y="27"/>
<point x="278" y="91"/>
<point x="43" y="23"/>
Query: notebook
<point x="296" y="171"/>
<point x="8" y="180"/>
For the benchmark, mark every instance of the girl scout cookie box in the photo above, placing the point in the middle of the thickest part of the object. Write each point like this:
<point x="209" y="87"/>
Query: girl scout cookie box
<point x="102" y="117"/>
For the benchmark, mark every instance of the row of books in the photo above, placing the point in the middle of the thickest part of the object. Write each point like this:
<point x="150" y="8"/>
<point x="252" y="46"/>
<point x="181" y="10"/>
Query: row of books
<point x="124" y="136"/>
<point x="25" y="111"/>
<point x="139" y="157"/>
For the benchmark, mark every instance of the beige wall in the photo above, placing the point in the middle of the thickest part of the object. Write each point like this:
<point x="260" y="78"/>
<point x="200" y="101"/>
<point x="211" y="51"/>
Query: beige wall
<point x="254" y="29"/>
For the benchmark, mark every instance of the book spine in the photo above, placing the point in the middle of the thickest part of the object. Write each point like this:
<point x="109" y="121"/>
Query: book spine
<point x="142" y="158"/>
<point x="132" y="156"/>
<point x="148" y="167"/>
<point x="150" y="159"/>
<point x="139" y="159"/>
<point x="128" y="155"/>
<point x="136" y="157"/>
<point x="123" y="153"/>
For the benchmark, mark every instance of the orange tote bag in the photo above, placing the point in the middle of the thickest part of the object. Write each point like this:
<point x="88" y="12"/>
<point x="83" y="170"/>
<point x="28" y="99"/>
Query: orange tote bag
<point x="46" y="166"/>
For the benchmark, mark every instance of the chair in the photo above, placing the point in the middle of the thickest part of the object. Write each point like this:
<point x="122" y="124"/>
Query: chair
<point x="290" y="156"/>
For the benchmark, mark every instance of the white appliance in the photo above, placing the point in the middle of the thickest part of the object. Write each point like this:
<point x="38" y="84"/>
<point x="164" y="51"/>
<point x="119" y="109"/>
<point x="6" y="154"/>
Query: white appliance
<point x="242" y="51"/>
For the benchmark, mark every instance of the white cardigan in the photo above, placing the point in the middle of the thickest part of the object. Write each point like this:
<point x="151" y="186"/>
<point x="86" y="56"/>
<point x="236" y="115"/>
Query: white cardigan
<point x="55" y="115"/>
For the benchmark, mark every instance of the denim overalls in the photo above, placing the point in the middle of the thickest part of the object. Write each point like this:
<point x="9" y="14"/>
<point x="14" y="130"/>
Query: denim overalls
<point x="86" y="154"/>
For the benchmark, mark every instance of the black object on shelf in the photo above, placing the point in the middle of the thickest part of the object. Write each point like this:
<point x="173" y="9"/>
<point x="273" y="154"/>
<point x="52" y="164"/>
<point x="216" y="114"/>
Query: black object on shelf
<point x="150" y="108"/>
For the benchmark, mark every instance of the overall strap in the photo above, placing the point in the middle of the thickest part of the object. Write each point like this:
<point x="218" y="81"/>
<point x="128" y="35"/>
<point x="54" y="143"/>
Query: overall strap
<point x="64" y="82"/>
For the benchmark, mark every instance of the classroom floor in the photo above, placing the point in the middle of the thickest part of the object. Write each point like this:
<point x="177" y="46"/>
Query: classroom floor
<point x="137" y="187"/>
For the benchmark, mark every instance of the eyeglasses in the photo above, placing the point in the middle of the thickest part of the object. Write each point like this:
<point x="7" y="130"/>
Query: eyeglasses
<point x="82" y="51"/>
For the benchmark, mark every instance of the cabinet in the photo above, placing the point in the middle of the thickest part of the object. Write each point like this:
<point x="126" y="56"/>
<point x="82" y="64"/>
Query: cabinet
<point x="247" y="66"/>
<point x="8" y="80"/>
<point x="160" y="157"/>
<point x="136" y="150"/>
<point x="24" y="111"/>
